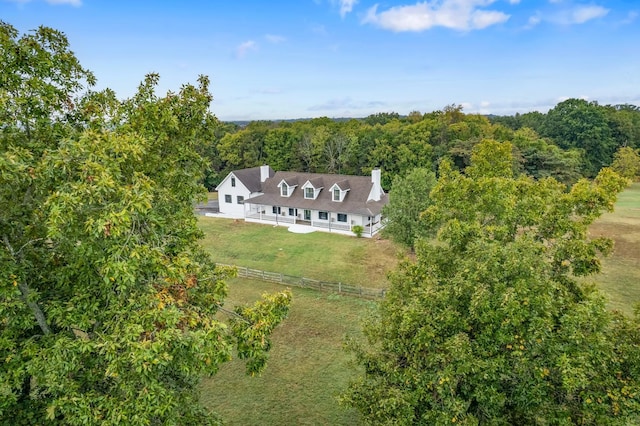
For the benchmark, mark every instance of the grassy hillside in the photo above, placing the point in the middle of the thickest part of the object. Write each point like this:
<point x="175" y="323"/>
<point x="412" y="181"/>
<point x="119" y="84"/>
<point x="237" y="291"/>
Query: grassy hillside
<point x="307" y="367"/>
<point x="319" y="255"/>
<point x="620" y="277"/>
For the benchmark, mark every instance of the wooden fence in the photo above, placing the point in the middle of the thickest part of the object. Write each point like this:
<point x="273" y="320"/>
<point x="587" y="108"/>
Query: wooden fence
<point x="279" y="278"/>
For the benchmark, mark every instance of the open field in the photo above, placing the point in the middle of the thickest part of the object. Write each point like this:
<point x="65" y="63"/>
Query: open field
<point x="620" y="277"/>
<point x="307" y="367"/>
<point x="322" y="256"/>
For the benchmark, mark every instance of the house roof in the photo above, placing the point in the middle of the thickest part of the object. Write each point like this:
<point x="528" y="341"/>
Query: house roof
<point x="355" y="201"/>
<point x="251" y="178"/>
<point x="343" y="184"/>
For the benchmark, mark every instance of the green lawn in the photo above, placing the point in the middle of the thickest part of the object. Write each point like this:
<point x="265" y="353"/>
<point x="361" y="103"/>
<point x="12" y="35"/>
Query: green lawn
<point x="307" y="367"/>
<point x="319" y="255"/>
<point x="620" y="277"/>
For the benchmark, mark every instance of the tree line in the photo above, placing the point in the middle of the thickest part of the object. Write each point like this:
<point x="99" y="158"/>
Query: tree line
<point x="574" y="139"/>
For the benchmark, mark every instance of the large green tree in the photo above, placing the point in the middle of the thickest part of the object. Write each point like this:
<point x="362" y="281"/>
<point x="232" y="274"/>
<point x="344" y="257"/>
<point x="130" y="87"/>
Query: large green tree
<point x="576" y="123"/>
<point x="107" y="301"/>
<point x="490" y="325"/>
<point x="626" y="162"/>
<point x="408" y="198"/>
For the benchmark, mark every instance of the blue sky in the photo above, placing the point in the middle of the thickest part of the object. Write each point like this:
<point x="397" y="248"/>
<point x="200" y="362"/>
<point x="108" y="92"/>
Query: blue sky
<point x="338" y="58"/>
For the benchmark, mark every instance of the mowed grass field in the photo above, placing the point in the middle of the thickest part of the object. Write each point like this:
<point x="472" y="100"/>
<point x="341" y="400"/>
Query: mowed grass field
<point x="307" y="367"/>
<point x="322" y="256"/>
<point x="620" y="277"/>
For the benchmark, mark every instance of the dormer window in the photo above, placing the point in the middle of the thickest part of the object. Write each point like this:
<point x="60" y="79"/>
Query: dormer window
<point x="309" y="193"/>
<point x="339" y="191"/>
<point x="286" y="188"/>
<point x="312" y="188"/>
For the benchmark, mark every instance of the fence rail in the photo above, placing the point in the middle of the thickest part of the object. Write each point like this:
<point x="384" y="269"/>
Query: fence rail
<point x="303" y="282"/>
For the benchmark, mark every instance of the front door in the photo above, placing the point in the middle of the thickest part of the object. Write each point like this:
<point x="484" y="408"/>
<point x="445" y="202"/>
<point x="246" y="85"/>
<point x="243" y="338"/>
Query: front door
<point x="307" y="215"/>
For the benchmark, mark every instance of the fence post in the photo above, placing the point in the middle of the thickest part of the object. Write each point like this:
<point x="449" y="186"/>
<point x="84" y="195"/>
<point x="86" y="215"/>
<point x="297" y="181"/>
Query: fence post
<point x="281" y="278"/>
<point x="339" y="287"/>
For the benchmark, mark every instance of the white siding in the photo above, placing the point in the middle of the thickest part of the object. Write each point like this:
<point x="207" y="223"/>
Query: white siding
<point x="226" y="192"/>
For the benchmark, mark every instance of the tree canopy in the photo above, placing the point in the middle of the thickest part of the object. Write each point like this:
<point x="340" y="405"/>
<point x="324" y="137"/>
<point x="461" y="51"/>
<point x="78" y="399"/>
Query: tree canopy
<point x="490" y="324"/>
<point x="409" y="197"/>
<point x="108" y="303"/>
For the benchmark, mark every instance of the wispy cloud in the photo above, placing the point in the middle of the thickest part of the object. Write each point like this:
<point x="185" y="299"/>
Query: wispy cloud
<point x="76" y="3"/>
<point x="533" y="21"/>
<point x="245" y="47"/>
<point x="346" y="6"/>
<point x="631" y="16"/>
<point x="566" y="13"/>
<point x="461" y="15"/>
<point x="319" y="29"/>
<point x="345" y="105"/>
<point x="272" y="38"/>
<point x="333" y="104"/>
<point x="582" y="14"/>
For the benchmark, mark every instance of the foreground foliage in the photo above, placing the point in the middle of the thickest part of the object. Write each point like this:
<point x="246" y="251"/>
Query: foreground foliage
<point x="107" y="300"/>
<point x="489" y="325"/>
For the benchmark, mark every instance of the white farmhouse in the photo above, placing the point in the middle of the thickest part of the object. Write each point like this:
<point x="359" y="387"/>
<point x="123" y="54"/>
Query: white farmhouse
<point x="327" y="202"/>
<point x="239" y="185"/>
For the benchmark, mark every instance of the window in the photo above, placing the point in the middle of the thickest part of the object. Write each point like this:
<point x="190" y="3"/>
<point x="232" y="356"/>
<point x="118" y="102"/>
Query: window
<point x="284" y="190"/>
<point x="307" y="214"/>
<point x="309" y="193"/>
<point x="323" y="215"/>
<point x="336" y="194"/>
<point x="233" y="181"/>
<point x="342" y="217"/>
<point x="227" y="198"/>
<point x="275" y="210"/>
<point x="291" y="212"/>
<point x="240" y="199"/>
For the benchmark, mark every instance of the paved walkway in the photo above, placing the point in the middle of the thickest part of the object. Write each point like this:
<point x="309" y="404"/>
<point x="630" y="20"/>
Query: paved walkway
<point x="301" y="229"/>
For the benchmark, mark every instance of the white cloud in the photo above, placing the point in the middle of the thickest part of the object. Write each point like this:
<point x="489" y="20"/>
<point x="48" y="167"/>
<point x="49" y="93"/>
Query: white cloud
<point x="245" y="47"/>
<point x="346" y="6"/>
<point x="272" y="38"/>
<point x="459" y="15"/>
<point x="76" y="3"/>
<point x="533" y="21"/>
<point x="568" y="14"/>
<point x="582" y="14"/>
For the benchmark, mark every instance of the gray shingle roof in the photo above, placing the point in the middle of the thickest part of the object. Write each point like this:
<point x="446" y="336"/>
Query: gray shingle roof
<point x="251" y="178"/>
<point x="354" y="202"/>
